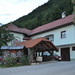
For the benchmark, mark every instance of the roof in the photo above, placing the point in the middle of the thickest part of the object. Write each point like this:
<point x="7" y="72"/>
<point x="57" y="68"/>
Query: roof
<point x="14" y="28"/>
<point x="33" y="42"/>
<point x="11" y="47"/>
<point x="58" y="23"/>
<point x="54" y="24"/>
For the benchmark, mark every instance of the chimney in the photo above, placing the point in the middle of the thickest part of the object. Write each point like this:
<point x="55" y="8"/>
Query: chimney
<point x="63" y="14"/>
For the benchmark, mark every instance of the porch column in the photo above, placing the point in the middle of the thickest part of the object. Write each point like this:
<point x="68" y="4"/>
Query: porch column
<point x="30" y="54"/>
<point x="42" y="53"/>
<point x="52" y="55"/>
<point x="39" y="53"/>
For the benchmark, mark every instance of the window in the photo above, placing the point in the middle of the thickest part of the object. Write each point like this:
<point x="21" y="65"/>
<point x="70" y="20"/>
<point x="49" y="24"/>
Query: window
<point x="50" y="37"/>
<point x="73" y="48"/>
<point x="63" y="34"/>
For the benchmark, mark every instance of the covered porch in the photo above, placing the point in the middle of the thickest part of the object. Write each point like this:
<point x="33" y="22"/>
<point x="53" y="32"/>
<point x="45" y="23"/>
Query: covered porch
<point x="37" y="48"/>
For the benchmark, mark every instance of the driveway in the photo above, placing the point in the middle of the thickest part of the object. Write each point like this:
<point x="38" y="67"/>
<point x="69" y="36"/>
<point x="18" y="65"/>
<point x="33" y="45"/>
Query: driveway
<point x="56" y="68"/>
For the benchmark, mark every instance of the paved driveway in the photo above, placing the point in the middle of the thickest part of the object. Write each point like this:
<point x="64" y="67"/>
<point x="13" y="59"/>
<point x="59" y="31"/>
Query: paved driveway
<point x="56" y="68"/>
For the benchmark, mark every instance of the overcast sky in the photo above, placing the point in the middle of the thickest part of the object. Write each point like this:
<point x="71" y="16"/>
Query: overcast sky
<point x="11" y="10"/>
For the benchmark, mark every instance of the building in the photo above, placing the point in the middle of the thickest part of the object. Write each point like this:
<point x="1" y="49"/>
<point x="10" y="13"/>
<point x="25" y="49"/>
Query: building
<point x="61" y="32"/>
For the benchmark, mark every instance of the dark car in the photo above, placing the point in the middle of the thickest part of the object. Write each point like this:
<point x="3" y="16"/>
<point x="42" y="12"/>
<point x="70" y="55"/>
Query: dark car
<point x="0" y="58"/>
<point x="57" y="57"/>
<point x="47" y="57"/>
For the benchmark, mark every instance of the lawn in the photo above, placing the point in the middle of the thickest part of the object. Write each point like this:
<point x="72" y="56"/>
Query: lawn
<point x="6" y="66"/>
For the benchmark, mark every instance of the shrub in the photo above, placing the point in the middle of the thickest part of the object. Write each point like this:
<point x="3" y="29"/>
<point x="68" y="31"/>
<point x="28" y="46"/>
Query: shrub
<point x="10" y="60"/>
<point x="24" y="60"/>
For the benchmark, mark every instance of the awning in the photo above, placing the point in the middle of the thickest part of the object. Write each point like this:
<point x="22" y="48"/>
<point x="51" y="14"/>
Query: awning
<point x="12" y="47"/>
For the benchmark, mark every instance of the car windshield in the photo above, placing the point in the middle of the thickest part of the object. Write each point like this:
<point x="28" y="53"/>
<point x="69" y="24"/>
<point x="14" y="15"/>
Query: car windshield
<point x="46" y="53"/>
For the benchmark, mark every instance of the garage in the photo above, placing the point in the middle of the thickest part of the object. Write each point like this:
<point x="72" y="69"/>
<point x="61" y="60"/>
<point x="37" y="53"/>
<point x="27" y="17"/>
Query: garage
<point x="65" y="54"/>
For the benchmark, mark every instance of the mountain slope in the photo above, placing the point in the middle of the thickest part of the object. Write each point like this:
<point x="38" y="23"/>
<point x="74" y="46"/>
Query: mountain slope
<point x="44" y="14"/>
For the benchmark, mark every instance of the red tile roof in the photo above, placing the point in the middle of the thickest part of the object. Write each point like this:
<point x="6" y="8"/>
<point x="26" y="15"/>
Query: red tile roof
<point x="54" y="24"/>
<point x="33" y="42"/>
<point x="14" y="28"/>
<point x="49" y="26"/>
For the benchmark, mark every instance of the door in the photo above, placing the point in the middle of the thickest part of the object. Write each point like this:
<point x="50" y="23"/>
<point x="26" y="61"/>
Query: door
<point x="65" y="54"/>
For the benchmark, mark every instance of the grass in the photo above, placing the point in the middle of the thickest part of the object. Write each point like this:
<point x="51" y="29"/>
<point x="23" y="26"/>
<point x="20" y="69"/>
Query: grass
<point x="16" y="65"/>
<point x="6" y="66"/>
<point x="10" y="62"/>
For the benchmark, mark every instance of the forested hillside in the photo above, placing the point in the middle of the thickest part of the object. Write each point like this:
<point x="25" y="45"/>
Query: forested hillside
<point x="44" y="14"/>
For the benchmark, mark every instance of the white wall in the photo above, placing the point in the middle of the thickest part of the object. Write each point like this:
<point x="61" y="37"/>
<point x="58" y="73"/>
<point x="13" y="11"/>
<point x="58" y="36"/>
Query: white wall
<point x="70" y="35"/>
<point x="17" y="36"/>
<point x="72" y="54"/>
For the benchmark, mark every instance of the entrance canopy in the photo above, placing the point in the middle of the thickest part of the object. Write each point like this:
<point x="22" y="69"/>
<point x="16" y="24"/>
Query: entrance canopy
<point x="40" y="43"/>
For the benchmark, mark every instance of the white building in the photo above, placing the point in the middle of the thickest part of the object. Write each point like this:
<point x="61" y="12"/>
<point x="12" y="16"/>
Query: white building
<point x="61" y="32"/>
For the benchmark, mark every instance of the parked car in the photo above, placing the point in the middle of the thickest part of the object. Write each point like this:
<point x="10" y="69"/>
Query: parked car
<point x="0" y="58"/>
<point x="56" y="57"/>
<point x="47" y="56"/>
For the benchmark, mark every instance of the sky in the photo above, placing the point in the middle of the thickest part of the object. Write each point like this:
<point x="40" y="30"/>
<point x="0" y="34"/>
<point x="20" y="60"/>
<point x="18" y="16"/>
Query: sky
<point x="11" y="10"/>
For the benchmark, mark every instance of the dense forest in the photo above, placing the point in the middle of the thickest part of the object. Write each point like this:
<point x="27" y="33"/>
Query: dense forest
<point x="44" y="14"/>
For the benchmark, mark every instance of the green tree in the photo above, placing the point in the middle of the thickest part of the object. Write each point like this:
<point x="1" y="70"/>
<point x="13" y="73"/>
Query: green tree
<point x="73" y="1"/>
<point x="5" y="36"/>
<point x="45" y="13"/>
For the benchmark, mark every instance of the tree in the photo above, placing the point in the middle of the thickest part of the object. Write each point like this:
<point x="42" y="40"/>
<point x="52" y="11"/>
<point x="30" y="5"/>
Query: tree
<point x="44" y="14"/>
<point x="5" y="36"/>
<point x="73" y="1"/>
